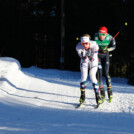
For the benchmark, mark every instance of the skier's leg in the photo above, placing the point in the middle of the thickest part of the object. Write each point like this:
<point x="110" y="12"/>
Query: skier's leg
<point x="110" y="94"/>
<point x="92" y="74"/>
<point x="97" y="93"/>
<point x="82" y="89"/>
<point x="108" y="78"/>
<point x="84" y="74"/>
<point x="100" y="70"/>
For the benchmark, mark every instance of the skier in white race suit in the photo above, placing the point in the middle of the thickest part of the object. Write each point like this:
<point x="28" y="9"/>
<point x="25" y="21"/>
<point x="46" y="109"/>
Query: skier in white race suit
<point x="88" y="53"/>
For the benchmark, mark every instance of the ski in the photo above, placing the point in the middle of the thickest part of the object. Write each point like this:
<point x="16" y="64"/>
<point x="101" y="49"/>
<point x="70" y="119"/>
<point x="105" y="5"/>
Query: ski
<point x="97" y="106"/>
<point x="79" y="105"/>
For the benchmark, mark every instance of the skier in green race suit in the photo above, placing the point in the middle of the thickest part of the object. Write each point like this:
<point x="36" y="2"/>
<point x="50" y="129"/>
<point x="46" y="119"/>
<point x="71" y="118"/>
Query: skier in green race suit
<point x="106" y="44"/>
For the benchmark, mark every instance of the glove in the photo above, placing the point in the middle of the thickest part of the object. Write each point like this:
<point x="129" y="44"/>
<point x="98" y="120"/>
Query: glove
<point x="91" y="58"/>
<point x="102" y="51"/>
<point x="105" y="51"/>
<point x="83" y="57"/>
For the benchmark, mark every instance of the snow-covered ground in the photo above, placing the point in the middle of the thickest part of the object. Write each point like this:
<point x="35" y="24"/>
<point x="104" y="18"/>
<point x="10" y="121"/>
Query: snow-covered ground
<point x="42" y="101"/>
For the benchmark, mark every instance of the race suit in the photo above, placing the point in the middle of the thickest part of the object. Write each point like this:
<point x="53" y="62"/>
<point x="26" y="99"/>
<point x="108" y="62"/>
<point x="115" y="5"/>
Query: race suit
<point x="88" y="62"/>
<point x="105" y="46"/>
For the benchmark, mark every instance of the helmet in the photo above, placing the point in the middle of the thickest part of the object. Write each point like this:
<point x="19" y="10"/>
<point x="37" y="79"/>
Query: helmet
<point x="103" y="29"/>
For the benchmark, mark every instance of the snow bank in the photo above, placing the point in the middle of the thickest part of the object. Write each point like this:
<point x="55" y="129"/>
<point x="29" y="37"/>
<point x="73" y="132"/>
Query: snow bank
<point x="15" y="85"/>
<point x="18" y="87"/>
<point x="10" y="70"/>
<point x="10" y="61"/>
<point x="45" y="90"/>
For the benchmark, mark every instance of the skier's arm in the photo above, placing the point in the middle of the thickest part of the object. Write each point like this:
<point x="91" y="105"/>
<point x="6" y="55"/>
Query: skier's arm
<point x="94" y="53"/>
<point x="112" y="45"/>
<point x="83" y="54"/>
<point x="79" y="50"/>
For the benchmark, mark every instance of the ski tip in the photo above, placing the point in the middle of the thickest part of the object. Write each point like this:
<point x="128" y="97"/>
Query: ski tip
<point x="79" y="105"/>
<point x="98" y="105"/>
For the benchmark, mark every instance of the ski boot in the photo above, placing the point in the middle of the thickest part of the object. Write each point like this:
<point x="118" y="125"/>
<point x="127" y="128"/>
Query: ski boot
<point x="97" y="94"/>
<point x="82" y="89"/>
<point x="110" y="95"/>
<point x="98" y="100"/>
<point x="82" y="97"/>
<point x="102" y="92"/>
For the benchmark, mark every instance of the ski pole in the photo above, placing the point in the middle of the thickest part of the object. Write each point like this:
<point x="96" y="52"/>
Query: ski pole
<point x="120" y="30"/>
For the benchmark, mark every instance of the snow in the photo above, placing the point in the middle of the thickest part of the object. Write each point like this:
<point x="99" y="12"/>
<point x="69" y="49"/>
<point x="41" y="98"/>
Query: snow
<point x="42" y="101"/>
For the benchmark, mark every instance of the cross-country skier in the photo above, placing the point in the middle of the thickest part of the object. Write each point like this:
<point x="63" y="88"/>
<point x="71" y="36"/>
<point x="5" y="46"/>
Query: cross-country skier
<point x="106" y="44"/>
<point x="88" y="52"/>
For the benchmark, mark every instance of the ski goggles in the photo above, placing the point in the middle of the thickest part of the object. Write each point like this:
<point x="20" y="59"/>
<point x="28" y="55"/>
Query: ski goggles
<point x="102" y="34"/>
<point x="85" y="43"/>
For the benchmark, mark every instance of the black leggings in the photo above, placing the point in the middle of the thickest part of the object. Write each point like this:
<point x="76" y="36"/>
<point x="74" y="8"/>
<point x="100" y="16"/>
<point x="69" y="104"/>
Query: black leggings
<point x="103" y="69"/>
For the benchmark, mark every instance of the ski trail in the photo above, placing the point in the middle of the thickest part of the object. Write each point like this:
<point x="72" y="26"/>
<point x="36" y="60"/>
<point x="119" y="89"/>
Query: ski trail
<point x="25" y="88"/>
